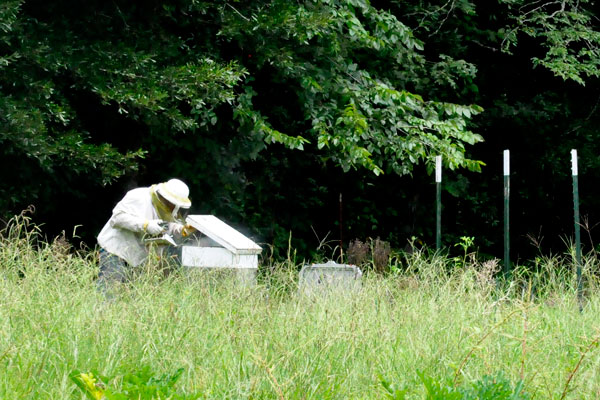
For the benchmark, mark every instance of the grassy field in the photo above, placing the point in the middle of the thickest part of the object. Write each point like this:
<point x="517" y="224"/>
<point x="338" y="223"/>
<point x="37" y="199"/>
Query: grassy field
<point x="427" y="326"/>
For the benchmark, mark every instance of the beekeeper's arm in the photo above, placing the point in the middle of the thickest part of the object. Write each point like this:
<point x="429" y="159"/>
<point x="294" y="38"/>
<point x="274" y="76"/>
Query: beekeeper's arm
<point x="126" y="215"/>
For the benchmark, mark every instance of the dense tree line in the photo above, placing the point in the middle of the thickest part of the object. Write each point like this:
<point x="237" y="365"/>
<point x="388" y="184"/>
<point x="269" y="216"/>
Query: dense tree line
<point x="318" y="119"/>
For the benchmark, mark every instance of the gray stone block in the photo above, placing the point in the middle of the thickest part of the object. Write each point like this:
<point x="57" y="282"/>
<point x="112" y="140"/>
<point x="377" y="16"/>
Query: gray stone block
<point x="330" y="275"/>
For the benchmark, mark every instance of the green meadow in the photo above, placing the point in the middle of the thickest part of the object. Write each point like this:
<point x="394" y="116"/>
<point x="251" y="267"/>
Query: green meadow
<point x="429" y="328"/>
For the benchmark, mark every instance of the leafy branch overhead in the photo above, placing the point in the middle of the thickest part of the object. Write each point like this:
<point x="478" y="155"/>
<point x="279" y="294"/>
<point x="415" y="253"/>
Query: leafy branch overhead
<point x="566" y="29"/>
<point x="173" y="68"/>
<point x="353" y="68"/>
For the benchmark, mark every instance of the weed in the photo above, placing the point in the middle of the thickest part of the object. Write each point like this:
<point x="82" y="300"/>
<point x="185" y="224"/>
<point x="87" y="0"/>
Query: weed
<point x="381" y="255"/>
<point x="139" y="385"/>
<point x="485" y="273"/>
<point x="490" y="387"/>
<point x="372" y="254"/>
<point x="392" y="392"/>
<point x="357" y="253"/>
<point x="466" y="242"/>
<point x="495" y="387"/>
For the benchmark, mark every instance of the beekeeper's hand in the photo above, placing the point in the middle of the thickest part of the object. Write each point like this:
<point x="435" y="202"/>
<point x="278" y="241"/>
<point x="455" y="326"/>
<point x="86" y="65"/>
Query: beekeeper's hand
<point x="154" y="227"/>
<point x="187" y="230"/>
<point x="183" y="230"/>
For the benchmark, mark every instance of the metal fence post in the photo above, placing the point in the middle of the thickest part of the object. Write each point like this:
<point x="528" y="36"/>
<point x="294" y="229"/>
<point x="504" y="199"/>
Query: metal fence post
<point x="575" y="173"/>
<point x="438" y="200"/>
<point x="506" y="213"/>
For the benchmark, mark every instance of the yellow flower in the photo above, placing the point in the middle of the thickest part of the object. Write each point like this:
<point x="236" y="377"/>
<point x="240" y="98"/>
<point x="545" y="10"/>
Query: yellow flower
<point x="94" y="389"/>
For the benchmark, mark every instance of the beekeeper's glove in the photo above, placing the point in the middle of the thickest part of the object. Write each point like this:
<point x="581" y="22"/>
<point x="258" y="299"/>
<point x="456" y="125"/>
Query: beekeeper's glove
<point x="183" y="230"/>
<point x="187" y="230"/>
<point x="154" y="227"/>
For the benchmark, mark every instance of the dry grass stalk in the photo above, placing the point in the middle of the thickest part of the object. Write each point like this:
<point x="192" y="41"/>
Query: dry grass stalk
<point x="357" y="252"/>
<point x="488" y="333"/>
<point x="276" y="386"/>
<point x="381" y="255"/>
<point x="589" y="347"/>
<point x="485" y="275"/>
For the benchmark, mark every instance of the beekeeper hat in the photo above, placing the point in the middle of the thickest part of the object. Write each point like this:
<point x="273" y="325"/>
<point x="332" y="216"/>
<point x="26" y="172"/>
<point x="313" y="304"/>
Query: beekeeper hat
<point x="175" y="192"/>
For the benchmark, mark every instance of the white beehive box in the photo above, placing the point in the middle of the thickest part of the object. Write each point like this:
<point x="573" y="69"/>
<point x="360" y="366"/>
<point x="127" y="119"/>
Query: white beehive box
<point x="227" y="248"/>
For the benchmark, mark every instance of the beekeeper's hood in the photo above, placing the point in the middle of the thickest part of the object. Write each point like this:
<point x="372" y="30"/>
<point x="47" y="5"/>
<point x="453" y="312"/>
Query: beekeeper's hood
<point x="175" y="192"/>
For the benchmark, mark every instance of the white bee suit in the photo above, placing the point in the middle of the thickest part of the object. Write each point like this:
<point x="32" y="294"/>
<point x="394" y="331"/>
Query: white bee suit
<point x="124" y="232"/>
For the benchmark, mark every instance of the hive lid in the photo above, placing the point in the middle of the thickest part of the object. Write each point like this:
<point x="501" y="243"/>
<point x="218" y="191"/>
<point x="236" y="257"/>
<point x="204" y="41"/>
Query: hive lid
<point x="223" y="234"/>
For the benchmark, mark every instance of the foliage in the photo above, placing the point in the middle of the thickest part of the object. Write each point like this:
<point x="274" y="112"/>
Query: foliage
<point x="352" y="67"/>
<point x="495" y="387"/>
<point x="39" y="129"/>
<point x="567" y="30"/>
<point x="218" y="94"/>
<point x="465" y="244"/>
<point x="59" y="70"/>
<point x="140" y="385"/>
<point x="348" y="66"/>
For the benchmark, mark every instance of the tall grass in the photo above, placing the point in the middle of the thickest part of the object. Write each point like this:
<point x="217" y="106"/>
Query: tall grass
<point x="452" y="325"/>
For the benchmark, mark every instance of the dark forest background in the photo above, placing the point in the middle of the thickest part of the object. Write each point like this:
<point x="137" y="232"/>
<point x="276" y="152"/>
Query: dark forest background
<point x="270" y="110"/>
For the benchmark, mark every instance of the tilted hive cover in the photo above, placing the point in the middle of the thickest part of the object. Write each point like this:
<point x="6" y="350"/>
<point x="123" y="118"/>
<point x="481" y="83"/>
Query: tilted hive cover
<point x="223" y="234"/>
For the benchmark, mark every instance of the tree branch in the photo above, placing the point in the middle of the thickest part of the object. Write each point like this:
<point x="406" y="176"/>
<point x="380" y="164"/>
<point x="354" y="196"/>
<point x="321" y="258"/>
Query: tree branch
<point x="237" y="12"/>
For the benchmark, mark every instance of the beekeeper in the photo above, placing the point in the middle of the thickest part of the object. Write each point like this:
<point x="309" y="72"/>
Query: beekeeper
<point x="143" y="213"/>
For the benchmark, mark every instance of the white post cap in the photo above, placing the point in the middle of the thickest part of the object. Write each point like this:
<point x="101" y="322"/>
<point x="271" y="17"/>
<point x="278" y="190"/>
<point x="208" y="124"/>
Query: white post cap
<point x="438" y="169"/>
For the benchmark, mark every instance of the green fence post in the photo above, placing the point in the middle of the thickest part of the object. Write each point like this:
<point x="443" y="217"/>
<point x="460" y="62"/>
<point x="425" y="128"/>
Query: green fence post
<point x="506" y="213"/>
<point x="438" y="201"/>
<point x="577" y="225"/>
